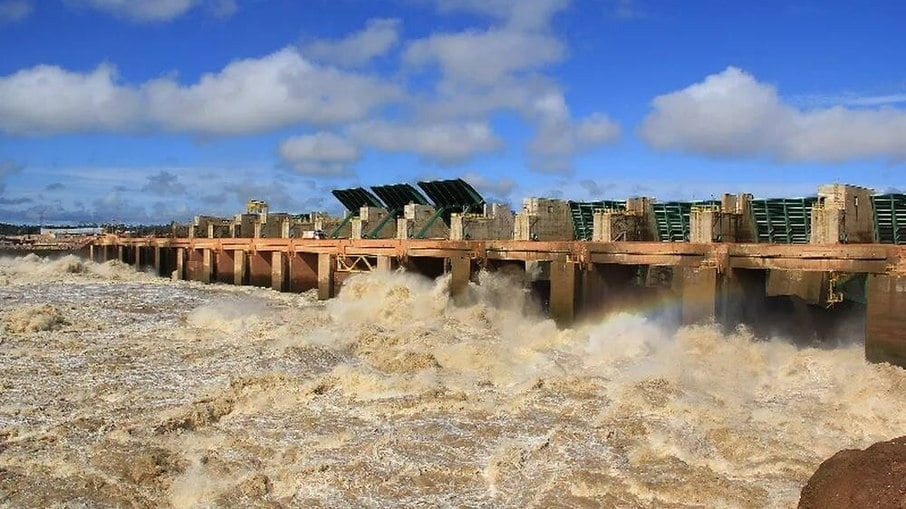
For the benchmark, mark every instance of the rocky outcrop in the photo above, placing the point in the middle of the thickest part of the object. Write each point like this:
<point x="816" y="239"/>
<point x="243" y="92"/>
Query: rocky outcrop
<point x="875" y="477"/>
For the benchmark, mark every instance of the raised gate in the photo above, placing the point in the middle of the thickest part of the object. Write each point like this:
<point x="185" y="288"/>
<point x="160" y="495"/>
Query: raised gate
<point x="890" y="218"/>
<point x="783" y="220"/>
<point x="583" y="213"/>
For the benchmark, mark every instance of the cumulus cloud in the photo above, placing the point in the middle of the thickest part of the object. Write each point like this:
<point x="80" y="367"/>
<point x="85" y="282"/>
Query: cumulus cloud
<point x="444" y="143"/>
<point x="13" y="11"/>
<point x="500" y="69"/>
<point x="247" y="96"/>
<point x="323" y="154"/>
<point x="15" y="201"/>
<point x="628" y="9"/>
<point x="257" y="95"/>
<point x="523" y="15"/>
<point x="223" y="8"/>
<point x="47" y="100"/>
<point x="484" y="57"/>
<point x="150" y="11"/>
<point x="7" y="168"/>
<point x="499" y="188"/>
<point x="378" y="37"/>
<point x="475" y="74"/>
<point x="145" y="10"/>
<point x="164" y="183"/>
<point x="731" y="114"/>
<point x="559" y="138"/>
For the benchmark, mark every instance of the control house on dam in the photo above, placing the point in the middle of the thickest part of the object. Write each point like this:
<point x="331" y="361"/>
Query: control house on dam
<point x="814" y="269"/>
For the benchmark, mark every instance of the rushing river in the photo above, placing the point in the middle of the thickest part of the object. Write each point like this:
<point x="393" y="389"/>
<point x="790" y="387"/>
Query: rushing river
<point x="119" y="389"/>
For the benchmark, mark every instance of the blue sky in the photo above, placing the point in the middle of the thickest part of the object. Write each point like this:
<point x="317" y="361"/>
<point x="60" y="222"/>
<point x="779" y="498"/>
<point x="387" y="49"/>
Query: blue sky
<point x="157" y="110"/>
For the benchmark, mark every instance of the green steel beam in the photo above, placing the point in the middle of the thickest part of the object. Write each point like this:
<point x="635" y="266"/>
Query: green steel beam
<point x="336" y="231"/>
<point x="392" y="215"/>
<point x="439" y="213"/>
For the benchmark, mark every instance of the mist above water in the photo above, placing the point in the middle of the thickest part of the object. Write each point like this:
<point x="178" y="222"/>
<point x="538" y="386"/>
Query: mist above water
<point x="145" y="391"/>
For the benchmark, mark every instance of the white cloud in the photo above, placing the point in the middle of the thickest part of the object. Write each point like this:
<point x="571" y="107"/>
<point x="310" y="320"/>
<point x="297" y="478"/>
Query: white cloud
<point x="628" y="9"/>
<point x="164" y="183"/>
<point x="257" y="95"/>
<point x="501" y="69"/>
<point x="47" y="100"/>
<point x="8" y="167"/>
<point x="444" y="143"/>
<point x="731" y="114"/>
<point x="322" y="154"/>
<point x="142" y="10"/>
<point x="223" y="8"/>
<point x="12" y="11"/>
<point x="524" y="15"/>
<point x="246" y="96"/>
<point x="558" y="138"/>
<point x="484" y="57"/>
<point x="491" y="188"/>
<point x="378" y="37"/>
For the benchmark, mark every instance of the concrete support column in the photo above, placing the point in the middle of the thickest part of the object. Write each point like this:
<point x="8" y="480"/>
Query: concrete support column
<point x="239" y="273"/>
<point x="699" y="294"/>
<point x="279" y="271"/>
<point x="565" y="286"/>
<point x="326" y="267"/>
<point x="158" y="261"/>
<point x="92" y="253"/>
<point x="180" y="272"/>
<point x="461" y="273"/>
<point x="207" y="265"/>
<point x="121" y="253"/>
<point x="137" y="261"/>
<point x="384" y="263"/>
<point x="885" y="319"/>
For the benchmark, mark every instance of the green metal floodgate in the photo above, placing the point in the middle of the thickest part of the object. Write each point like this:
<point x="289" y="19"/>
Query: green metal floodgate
<point x="672" y="219"/>
<point x="890" y="218"/>
<point x="396" y="197"/>
<point x="353" y="199"/>
<point x="449" y="196"/>
<point x="783" y="220"/>
<point x="583" y="214"/>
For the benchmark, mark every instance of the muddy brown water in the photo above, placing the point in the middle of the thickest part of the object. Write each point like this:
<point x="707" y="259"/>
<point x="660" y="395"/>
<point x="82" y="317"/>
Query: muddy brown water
<point x="119" y="389"/>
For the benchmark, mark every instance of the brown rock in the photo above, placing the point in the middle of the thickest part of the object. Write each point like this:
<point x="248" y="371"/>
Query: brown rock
<point x="875" y="477"/>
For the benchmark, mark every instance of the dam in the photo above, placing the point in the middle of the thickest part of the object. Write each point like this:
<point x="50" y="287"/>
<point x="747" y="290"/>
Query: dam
<point x="809" y="263"/>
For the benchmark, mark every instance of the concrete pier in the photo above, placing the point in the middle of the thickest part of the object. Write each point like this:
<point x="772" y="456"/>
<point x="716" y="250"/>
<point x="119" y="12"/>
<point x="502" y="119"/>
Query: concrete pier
<point x="326" y="268"/>
<point x="461" y="274"/>
<point x="725" y="283"/>
<point x="699" y="294"/>
<point x="885" y="319"/>
<point x="565" y="288"/>
<point x="279" y="271"/>
<point x="240" y="268"/>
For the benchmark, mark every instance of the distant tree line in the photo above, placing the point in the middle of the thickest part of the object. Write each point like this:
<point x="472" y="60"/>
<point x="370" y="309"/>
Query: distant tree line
<point x="19" y="229"/>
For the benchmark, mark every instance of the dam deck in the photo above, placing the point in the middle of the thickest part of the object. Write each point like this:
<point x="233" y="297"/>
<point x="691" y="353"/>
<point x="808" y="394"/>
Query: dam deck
<point x="730" y="283"/>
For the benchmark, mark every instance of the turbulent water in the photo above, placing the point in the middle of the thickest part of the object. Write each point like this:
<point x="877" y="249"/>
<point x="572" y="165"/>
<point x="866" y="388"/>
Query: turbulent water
<point x="121" y="389"/>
